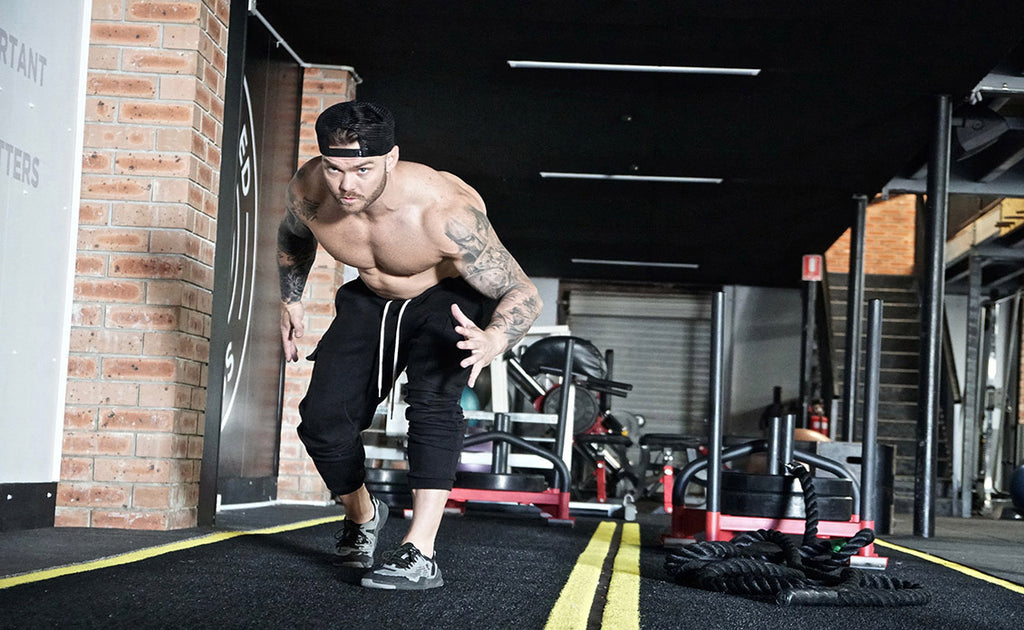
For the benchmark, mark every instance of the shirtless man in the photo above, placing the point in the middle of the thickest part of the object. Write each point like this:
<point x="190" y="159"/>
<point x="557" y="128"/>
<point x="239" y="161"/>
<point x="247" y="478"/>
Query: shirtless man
<point x="431" y="273"/>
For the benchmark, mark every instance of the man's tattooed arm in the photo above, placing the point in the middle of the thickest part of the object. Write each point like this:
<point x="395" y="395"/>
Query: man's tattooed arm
<point x="489" y="268"/>
<point x="296" y="250"/>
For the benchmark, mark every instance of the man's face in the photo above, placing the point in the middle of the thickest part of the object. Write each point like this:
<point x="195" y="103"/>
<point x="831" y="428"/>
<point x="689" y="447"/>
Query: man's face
<point x="356" y="182"/>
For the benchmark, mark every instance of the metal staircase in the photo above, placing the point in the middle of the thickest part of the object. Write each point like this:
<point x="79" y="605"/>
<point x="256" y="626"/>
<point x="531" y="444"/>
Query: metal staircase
<point x="898" y="400"/>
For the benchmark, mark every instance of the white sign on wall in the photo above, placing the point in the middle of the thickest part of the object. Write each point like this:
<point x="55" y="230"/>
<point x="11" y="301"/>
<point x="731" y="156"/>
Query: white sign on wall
<point x="43" y="58"/>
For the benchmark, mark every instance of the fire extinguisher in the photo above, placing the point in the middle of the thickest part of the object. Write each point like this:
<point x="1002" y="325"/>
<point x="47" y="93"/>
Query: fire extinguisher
<point x="817" y="418"/>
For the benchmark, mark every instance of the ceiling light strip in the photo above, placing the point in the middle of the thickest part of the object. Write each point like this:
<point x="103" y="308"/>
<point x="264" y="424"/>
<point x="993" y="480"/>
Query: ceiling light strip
<point x="634" y="263"/>
<point x="632" y="178"/>
<point x="623" y="67"/>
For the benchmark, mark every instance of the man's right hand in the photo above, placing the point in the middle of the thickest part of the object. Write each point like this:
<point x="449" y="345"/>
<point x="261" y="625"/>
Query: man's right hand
<point x="292" y="327"/>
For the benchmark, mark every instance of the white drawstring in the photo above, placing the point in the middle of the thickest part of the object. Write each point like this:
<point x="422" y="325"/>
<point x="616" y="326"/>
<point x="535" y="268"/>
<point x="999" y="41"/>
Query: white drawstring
<point x="380" y="353"/>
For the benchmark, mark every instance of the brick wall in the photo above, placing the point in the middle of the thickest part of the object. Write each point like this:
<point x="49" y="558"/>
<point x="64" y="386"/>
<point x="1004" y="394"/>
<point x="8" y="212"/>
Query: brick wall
<point x="144" y="273"/>
<point x="888" y="239"/>
<point x="298" y="479"/>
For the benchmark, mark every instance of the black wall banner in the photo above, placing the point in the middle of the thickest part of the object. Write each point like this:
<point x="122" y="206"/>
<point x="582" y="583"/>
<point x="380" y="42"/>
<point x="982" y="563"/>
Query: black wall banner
<point x="247" y="346"/>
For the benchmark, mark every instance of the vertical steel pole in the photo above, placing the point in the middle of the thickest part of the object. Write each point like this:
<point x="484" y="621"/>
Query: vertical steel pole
<point x="807" y="351"/>
<point x="775" y="445"/>
<point x="715" y="426"/>
<point x="854" y="302"/>
<point x="566" y="405"/>
<point x="972" y="388"/>
<point x="500" y="449"/>
<point x="869" y="447"/>
<point x="932" y="295"/>
<point x="788" y="426"/>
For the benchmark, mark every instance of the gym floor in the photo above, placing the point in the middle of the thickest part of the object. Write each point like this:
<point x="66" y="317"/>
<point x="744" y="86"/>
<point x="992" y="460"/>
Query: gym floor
<point x="270" y="567"/>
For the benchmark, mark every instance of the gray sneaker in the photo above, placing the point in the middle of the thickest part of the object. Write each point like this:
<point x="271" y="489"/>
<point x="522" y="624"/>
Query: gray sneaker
<point x="405" y="568"/>
<point x="356" y="542"/>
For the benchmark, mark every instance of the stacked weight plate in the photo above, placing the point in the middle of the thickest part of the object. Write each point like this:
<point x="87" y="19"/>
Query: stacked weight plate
<point x="390" y="486"/>
<point x="781" y="496"/>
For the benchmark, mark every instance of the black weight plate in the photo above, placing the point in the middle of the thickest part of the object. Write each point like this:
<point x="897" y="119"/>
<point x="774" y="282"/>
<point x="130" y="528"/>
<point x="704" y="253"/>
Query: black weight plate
<point x="585" y="407"/>
<point x="386" y="475"/>
<point x="779" y="484"/>
<point x="770" y="505"/>
<point x="388" y="488"/>
<point x="396" y="501"/>
<point x="498" y="481"/>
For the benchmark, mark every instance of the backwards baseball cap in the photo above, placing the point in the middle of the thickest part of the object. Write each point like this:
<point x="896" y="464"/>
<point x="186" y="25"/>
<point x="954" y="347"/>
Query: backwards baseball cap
<point x="372" y="124"/>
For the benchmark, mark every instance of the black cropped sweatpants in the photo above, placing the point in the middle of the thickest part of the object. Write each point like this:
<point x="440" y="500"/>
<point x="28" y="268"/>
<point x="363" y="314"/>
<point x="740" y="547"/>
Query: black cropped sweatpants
<point x="354" y="371"/>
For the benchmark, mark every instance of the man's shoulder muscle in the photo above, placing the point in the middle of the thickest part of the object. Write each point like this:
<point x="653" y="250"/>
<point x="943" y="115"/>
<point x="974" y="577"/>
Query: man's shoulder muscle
<point x="305" y="190"/>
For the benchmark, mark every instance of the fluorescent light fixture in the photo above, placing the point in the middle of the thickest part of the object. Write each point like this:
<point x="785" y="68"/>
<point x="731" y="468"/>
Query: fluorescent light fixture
<point x="625" y="67"/>
<point x="634" y="263"/>
<point x="632" y="178"/>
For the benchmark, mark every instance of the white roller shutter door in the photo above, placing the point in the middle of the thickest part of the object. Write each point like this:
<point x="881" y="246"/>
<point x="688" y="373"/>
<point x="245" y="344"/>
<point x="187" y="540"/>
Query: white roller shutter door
<point x="661" y="345"/>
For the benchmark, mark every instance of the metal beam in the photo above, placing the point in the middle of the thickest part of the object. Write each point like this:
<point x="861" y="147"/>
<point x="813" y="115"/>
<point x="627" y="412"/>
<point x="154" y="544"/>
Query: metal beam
<point x="931" y="322"/>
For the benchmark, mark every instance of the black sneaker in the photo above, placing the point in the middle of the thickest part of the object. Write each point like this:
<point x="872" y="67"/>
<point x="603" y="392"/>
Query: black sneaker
<point x="356" y="542"/>
<point x="405" y="568"/>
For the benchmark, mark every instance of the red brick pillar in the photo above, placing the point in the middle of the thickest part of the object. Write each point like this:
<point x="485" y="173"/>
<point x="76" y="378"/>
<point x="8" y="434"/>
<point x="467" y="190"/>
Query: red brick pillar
<point x="298" y="479"/>
<point x="888" y="239"/>
<point x="143" y="290"/>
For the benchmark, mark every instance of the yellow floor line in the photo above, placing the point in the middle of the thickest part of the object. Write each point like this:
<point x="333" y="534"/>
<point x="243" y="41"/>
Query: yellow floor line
<point x="151" y="552"/>
<point x="572" y="609"/>
<point x="622" y="611"/>
<point x="1016" y="588"/>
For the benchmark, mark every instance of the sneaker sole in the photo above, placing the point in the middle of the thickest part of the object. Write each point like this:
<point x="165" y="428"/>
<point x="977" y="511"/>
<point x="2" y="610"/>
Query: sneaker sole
<point x="404" y="585"/>
<point x="356" y="564"/>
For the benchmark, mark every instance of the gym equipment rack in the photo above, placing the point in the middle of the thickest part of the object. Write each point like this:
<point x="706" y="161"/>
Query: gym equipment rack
<point x="555" y="498"/>
<point x="688" y="522"/>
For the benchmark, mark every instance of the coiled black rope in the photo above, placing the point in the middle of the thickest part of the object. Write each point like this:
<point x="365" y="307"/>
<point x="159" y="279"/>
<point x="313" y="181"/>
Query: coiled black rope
<point x="769" y="565"/>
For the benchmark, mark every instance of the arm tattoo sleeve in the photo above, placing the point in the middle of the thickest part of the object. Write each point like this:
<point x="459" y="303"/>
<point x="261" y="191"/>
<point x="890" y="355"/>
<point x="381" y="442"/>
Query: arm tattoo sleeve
<point x="490" y="268"/>
<point x="296" y="250"/>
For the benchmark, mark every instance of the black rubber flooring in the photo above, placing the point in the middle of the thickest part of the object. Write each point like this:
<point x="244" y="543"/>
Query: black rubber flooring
<point x="501" y="571"/>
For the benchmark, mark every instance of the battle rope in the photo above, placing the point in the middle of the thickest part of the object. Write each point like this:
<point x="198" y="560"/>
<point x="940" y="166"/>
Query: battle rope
<point x="768" y="564"/>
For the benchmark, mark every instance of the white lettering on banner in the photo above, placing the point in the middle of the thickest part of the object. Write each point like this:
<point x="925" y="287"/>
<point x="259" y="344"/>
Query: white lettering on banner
<point x="23" y="59"/>
<point x="19" y="164"/>
<point x="243" y="259"/>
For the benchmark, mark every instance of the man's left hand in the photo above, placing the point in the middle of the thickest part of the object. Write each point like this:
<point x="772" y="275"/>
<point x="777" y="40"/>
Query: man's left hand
<point x="483" y="345"/>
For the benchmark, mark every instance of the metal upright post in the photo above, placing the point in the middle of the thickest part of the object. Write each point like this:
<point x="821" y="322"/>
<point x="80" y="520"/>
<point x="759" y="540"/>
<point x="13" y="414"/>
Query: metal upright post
<point x="933" y="291"/>
<point x="786" y="447"/>
<point x="869" y="446"/>
<point x="807" y="351"/>
<point x="775" y="462"/>
<point x="500" y="450"/>
<point x="566" y="407"/>
<point x="715" y="425"/>
<point x="854" y="301"/>
<point x="972" y="406"/>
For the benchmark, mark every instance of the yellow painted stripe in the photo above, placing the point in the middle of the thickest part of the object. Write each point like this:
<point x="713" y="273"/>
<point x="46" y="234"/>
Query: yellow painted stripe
<point x="974" y="573"/>
<point x="572" y="609"/>
<point x="151" y="552"/>
<point x="622" y="611"/>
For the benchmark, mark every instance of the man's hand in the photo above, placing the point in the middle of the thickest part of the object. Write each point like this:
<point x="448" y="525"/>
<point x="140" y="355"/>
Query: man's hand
<point x="292" y="327"/>
<point x="483" y="345"/>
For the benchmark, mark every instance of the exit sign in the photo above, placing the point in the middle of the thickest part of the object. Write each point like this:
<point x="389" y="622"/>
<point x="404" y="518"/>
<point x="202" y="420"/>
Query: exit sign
<point x="812" y="268"/>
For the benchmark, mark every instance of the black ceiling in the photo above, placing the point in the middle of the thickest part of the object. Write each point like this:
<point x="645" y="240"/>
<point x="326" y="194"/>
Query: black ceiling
<point x="844" y="103"/>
